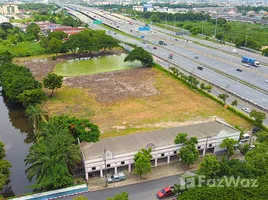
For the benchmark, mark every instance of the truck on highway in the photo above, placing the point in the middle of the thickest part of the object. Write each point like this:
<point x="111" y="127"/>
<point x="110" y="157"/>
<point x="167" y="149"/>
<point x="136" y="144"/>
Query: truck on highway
<point x="250" y="61"/>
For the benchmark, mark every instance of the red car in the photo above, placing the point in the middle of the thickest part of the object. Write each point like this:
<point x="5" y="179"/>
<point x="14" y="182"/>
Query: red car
<point x="165" y="192"/>
<point x="154" y="48"/>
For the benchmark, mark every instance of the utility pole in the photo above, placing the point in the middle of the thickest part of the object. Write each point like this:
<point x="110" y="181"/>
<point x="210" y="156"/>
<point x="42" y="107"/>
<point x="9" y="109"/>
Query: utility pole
<point x="174" y="22"/>
<point x="215" y="33"/>
<point x="202" y="28"/>
<point x="105" y="165"/>
<point x="208" y="136"/>
<point x="246" y="39"/>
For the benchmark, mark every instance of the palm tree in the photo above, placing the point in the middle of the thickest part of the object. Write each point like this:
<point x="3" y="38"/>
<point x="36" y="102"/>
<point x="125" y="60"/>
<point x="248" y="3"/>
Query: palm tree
<point x="52" y="159"/>
<point x="36" y="114"/>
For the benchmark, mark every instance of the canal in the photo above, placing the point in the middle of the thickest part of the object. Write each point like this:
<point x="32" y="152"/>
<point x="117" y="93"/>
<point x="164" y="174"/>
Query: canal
<point x="14" y="129"/>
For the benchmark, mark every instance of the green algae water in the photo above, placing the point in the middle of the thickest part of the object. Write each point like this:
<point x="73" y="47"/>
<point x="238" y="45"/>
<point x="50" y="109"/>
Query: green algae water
<point x="76" y="67"/>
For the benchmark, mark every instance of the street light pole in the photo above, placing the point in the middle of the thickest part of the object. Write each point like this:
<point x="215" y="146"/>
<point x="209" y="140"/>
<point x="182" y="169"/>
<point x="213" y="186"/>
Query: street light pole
<point x="105" y="166"/>
<point x="202" y="28"/>
<point x="246" y="39"/>
<point x="215" y="33"/>
<point x="208" y="136"/>
<point x="174" y="22"/>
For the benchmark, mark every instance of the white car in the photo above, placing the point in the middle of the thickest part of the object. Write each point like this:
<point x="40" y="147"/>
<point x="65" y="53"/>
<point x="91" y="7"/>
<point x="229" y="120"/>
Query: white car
<point x="245" y="65"/>
<point x="247" y="110"/>
<point x="266" y="80"/>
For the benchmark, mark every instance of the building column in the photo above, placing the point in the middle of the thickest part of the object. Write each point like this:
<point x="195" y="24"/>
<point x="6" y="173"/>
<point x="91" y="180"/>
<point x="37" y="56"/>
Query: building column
<point x="101" y="174"/>
<point x="204" y="152"/>
<point x="86" y="176"/>
<point x="115" y="170"/>
<point x="168" y="159"/>
<point x="129" y="167"/>
<point x="155" y="162"/>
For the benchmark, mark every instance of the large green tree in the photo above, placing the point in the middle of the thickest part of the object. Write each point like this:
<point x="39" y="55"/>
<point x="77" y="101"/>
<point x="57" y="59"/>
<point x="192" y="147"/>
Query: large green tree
<point x="258" y="116"/>
<point x="141" y="55"/>
<point x="223" y="97"/>
<point x="52" y="82"/>
<point x="52" y="159"/>
<point x="209" y="167"/>
<point x="33" y="29"/>
<point x="54" y="46"/>
<point x="58" y="35"/>
<point x="122" y="196"/>
<point x="228" y="143"/>
<point x="258" y="159"/>
<point x="32" y="97"/>
<point x="4" y="167"/>
<point x="142" y="162"/>
<point x="80" y="128"/>
<point x="5" y="57"/>
<point x="265" y="52"/>
<point x="36" y="115"/>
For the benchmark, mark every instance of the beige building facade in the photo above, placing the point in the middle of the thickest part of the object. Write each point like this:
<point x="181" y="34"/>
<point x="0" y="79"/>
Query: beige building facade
<point x="9" y="9"/>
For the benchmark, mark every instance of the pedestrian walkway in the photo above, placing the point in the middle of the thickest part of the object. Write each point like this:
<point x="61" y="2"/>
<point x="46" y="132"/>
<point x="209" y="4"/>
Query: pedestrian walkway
<point x="160" y="171"/>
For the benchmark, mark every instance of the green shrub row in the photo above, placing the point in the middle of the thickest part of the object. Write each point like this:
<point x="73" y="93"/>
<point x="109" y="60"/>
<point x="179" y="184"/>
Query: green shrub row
<point x="232" y="109"/>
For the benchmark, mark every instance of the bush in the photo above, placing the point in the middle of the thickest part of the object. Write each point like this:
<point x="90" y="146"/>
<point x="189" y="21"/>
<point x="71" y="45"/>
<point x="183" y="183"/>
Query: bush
<point x="54" y="57"/>
<point x="244" y="148"/>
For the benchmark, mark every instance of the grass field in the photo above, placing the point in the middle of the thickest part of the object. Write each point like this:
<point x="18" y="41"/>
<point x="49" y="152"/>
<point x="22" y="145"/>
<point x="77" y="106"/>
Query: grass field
<point x="174" y="103"/>
<point x="23" y="49"/>
<point x="238" y="30"/>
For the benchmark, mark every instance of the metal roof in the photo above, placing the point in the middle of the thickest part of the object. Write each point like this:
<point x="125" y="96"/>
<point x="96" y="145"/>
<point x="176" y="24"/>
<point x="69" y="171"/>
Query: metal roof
<point x="164" y="137"/>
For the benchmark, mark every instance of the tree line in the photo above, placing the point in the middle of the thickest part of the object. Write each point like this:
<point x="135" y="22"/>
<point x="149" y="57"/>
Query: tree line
<point x="54" y="158"/>
<point x="38" y="6"/>
<point x="161" y="16"/>
<point x="86" y="41"/>
<point x="4" y="167"/>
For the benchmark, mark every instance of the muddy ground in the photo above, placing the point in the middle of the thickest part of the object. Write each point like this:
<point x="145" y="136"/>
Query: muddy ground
<point x="117" y="85"/>
<point x="41" y="66"/>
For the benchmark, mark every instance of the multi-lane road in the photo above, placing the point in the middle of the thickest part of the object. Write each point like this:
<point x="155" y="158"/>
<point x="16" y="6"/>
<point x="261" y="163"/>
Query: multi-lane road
<point x="142" y="191"/>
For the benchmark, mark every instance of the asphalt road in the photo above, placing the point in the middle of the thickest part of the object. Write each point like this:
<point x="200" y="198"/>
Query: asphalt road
<point x="141" y="191"/>
<point x="214" y="59"/>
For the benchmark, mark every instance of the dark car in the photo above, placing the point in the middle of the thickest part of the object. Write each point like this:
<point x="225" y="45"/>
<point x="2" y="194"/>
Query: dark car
<point x="200" y="68"/>
<point x="176" y="39"/>
<point x="154" y="48"/>
<point x="255" y="130"/>
<point x="165" y="44"/>
<point x="165" y="192"/>
<point x="196" y="57"/>
<point x="239" y="70"/>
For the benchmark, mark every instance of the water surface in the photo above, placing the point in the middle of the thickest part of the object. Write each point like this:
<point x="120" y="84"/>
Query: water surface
<point x="85" y="66"/>
<point x="14" y="129"/>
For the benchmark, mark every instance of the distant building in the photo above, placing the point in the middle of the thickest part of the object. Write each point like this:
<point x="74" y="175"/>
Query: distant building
<point x="9" y="9"/>
<point x="144" y="8"/>
<point x="120" y="150"/>
<point x="138" y="8"/>
<point x="3" y="19"/>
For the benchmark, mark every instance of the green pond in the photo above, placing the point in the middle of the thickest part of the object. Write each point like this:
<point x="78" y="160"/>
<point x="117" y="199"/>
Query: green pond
<point x="84" y="66"/>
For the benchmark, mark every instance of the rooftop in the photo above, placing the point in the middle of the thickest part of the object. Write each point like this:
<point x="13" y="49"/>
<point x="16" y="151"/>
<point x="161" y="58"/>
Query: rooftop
<point x="164" y="137"/>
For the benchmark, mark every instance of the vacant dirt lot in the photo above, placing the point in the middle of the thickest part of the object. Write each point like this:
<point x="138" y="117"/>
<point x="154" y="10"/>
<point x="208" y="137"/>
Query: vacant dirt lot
<point x="118" y="85"/>
<point x="134" y="100"/>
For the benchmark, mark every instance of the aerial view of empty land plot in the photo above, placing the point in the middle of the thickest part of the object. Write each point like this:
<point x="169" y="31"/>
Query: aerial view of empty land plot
<point x="131" y="100"/>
